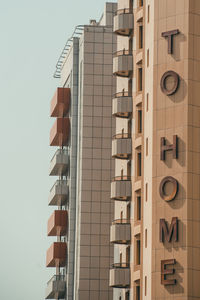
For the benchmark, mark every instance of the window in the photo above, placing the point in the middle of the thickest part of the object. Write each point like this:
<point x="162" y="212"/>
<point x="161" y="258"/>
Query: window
<point x="139" y="164"/>
<point x="130" y="84"/>
<point x="147" y="146"/>
<point x="130" y="44"/>
<point x="145" y="285"/>
<point x="140" y="37"/>
<point x="139" y="121"/>
<point x="147" y="57"/>
<point x="145" y="238"/>
<point x="128" y="211"/>
<point x="127" y="254"/>
<point x="120" y="258"/>
<point x="138" y="292"/>
<point x="147" y="102"/>
<point x="146" y="192"/>
<point x="138" y="203"/>
<point x="138" y="250"/>
<point x="139" y="79"/>
<point x="148" y="13"/>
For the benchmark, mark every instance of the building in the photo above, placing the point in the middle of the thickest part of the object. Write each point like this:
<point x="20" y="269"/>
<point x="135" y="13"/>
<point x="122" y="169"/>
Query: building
<point x="152" y="203"/>
<point x="82" y="165"/>
<point x="156" y="227"/>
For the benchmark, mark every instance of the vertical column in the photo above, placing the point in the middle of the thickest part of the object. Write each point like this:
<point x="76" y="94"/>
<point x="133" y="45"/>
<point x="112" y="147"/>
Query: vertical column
<point x="171" y="168"/>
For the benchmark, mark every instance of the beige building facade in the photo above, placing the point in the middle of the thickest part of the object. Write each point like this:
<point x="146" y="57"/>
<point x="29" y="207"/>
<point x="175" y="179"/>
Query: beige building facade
<point x="156" y="190"/>
<point x="127" y="132"/>
<point x="82" y="165"/>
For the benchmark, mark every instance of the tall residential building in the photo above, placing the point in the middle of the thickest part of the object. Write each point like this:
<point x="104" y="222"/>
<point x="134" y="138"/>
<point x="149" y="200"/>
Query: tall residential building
<point x="82" y="164"/>
<point x="149" y="123"/>
<point x="156" y="189"/>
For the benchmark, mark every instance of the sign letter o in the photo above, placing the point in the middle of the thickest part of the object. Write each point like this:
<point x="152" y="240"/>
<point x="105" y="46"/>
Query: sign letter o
<point x="162" y="188"/>
<point x="163" y="86"/>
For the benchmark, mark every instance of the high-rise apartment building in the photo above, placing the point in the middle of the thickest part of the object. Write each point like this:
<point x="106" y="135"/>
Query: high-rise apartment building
<point x="156" y="228"/>
<point x="82" y="164"/>
<point x="152" y="134"/>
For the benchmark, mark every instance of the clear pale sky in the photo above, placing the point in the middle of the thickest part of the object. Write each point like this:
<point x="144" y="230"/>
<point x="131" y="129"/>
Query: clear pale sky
<point x="33" y="34"/>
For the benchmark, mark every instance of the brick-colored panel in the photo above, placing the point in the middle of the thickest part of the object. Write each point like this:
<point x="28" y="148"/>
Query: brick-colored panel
<point x="59" y="133"/>
<point x="60" y="103"/>
<point x="57" y="223"/>
<point x="56" y="255"/>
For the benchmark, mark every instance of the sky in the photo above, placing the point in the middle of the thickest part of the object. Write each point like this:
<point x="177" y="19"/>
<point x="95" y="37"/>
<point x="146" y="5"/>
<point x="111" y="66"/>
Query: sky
<point x="32" y="36"/>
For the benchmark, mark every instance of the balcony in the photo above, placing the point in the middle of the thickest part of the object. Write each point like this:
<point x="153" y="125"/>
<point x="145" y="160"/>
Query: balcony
<point x="123" y="22"/>
<point x="120" y="275"/>
<point x="59" y="133"/>
<point x="59" y="163"/>
<point x="59" y="193"/>
<point x="57" y="223"/>
<point x="123" y="63"/>
<point x="122" y="106"/>
<point x="60" y="103"/>
<point x="121" y="146"/>
<point x="120" y="232"/>
<point x="56" y="255"/>
<point x="56" y="287"/>
<point x="121" y="188"/>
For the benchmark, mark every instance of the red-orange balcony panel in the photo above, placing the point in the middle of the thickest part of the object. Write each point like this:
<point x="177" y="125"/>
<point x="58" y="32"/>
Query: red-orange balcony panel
<point x="60" y="102"/>
<point x="56" y="255"/>
<point x="57" y="223"/>
<point x="59" y="133"/>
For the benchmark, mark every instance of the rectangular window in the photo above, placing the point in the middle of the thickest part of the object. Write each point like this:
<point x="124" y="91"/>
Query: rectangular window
<point x="145" y="238"/>
<point x="148" y="13"/>
<point x="147" y="102"/>
<point x="130" y="44"/>
<point x="140" y="37"/>
<point x="147" y="146"/>
<point x="147" y="57"/>
<point x="140" y="3"/>
<point x="127" y="296"/>
<point x="138" y="250"/>
<point x="146" y="192"/>
<point x="145" y="285"/>
<point x="139" y="164"/>
<point x="138" y="208"/>
<point x="139" y="121"/>
<point x="139" y="79"/>
<point x="137" y="292"/>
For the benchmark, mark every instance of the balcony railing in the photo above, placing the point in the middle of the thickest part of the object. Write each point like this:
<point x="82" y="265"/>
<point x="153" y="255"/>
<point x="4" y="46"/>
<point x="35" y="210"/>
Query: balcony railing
<point x="59" y="193"/>
<point x="56" y="287"/>
<point x="122" y="105"/>
<point x="56" y="278"/>
<point x="124" y="22"/>
<point x="60" y="151"/>
<point x="120" y="265"/>
<point x="58" y="183"/>
<point x="122" y="136"/>
<point x="120" y="231"/>
<point x="122" y="178"/>
<point x="119" y="277"/>
<point x="123" y="63"/>
<point x="122" y="52"/>
<point x="121" y="221"/>
<point x="59" y="163"/>
<point x="121" y="188"/>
